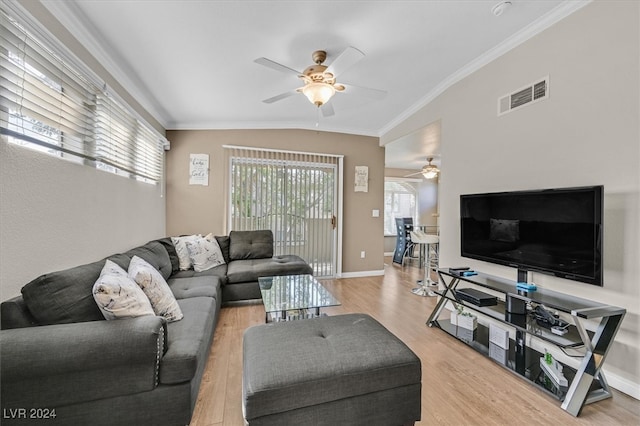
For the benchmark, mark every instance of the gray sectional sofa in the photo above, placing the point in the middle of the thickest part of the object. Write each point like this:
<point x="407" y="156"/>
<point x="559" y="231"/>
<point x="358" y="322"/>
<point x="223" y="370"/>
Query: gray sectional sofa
<point x="61" y="358"/>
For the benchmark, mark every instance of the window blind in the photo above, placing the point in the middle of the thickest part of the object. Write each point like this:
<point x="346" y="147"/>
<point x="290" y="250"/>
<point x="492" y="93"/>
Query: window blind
<point x="46" y="102"/>
<point x="293" y="194"/>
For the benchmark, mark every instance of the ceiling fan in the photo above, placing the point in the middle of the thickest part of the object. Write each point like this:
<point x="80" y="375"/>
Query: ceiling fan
<point x="429" y="171"/>
<point x="320" y="80"/>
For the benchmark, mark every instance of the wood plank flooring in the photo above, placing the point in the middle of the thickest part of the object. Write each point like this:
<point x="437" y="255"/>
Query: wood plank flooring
<point x="459" y="385"/>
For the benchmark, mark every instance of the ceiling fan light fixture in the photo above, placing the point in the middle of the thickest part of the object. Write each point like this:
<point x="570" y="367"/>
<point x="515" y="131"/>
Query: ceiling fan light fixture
<point x="430" y="173"/>
<point x="318" y="93"/>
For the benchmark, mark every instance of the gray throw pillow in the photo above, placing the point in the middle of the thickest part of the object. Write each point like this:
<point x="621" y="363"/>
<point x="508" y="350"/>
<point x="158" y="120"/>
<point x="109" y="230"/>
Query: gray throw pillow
<point x="250" y="244"/>
<point x="66" y="296"/>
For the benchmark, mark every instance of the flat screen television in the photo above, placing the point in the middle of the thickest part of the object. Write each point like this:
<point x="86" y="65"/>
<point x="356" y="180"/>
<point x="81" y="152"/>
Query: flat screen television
<point x="552" y="231"/>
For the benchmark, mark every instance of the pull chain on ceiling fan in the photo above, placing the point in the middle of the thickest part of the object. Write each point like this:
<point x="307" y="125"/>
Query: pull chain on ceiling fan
<point x="320" y="80"/>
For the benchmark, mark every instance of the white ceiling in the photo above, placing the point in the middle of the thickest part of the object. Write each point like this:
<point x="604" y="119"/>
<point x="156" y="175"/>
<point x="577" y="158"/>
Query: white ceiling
<point x="191" y="63"/>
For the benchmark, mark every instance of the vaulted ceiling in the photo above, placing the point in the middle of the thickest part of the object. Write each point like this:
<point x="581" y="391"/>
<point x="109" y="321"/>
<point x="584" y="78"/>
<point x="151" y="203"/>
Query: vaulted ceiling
<point x="191" y="63"/>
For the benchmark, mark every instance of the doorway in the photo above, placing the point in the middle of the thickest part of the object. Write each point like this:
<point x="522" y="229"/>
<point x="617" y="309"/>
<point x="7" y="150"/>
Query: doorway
<point x="293" y="194"/>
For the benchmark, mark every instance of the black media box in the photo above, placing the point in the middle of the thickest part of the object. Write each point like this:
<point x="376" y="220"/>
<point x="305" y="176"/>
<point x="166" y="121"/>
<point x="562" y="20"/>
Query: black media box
<point x="476" y="297"/>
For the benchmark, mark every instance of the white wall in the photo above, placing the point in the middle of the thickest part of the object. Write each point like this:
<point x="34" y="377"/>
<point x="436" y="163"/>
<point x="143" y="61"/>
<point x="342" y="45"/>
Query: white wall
<point x="55" y="214"/>
<point x="586" y="133"/>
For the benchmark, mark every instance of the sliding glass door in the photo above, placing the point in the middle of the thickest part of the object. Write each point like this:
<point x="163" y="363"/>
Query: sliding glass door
<point x="294" y="195"/>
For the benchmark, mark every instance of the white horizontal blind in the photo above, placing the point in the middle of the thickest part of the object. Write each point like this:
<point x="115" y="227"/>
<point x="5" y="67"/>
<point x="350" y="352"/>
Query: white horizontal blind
<point x="124" y="143"/>
<point x="293" y="194"/>
<point x="43" y="101"/>
<point x="46" y="103"/>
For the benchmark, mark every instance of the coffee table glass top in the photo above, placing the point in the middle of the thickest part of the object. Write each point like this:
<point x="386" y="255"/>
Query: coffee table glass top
<point x="289" y="292"/>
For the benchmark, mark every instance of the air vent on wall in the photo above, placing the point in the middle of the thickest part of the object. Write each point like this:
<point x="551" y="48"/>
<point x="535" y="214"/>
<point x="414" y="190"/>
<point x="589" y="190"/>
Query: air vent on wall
<point x="532" y="93"/>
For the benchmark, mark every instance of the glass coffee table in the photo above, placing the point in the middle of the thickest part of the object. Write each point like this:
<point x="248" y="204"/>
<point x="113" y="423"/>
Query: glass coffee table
<point x="290" y="297"/>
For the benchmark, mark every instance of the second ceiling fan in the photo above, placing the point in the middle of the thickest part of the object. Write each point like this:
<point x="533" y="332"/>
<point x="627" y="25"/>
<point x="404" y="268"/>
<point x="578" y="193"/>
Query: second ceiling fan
<point x="320" y="80"/>
<point x="429" y="171"/>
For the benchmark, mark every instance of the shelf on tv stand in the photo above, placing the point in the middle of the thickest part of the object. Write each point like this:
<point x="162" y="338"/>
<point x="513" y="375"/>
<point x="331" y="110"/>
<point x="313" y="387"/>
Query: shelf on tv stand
<point x="587" y="383"/>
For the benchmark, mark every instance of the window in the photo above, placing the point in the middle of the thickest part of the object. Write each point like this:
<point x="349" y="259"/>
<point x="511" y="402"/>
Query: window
<point x="292" y="194"/>
<point x="124" y="145"/>
<point x="49" y="106"/>
<point x="400" y="200"/>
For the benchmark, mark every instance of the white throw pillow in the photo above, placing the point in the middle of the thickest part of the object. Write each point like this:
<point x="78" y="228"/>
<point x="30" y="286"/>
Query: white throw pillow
<point x="162" y="300"/>
<point x="205" y="253"/>
<point x="181" y="249"/>
<point x="118" y="296"/>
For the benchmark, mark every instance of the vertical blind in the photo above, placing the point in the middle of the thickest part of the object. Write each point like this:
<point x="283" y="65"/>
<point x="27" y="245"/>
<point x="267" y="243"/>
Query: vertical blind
<point x="47" y="102"/>
<point x="292" y="194"/>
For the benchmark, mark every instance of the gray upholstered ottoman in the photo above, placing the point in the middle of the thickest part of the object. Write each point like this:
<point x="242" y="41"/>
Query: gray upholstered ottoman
<point x="339" y="370"/>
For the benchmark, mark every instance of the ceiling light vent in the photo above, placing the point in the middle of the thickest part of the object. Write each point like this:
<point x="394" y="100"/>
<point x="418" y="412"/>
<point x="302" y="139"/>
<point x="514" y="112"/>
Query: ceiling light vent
<point x="532" y="93"/>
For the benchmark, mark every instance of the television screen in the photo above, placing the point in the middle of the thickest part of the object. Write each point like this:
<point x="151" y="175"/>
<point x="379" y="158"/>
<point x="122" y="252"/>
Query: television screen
<point x="553" y="231"/>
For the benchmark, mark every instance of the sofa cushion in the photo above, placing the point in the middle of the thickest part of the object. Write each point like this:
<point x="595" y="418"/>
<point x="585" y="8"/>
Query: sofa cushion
<point x="204" y="253"/>
<point x="240" y="271"/>
<point x="182" y="251"/>
<point x="66" y="296"/>
<point x="156" y="255"/>
<point x="218" y="271"/>
<point x="250" y="244"/>
<point x="15" y="314"/>
<point x="188" y="340"/>
<point x="156" y="289"/>
<point x="118" y="296"/>
<point x="196" y="286"/>
<point x="171" y="251"/>
<point x="223" y="242"/>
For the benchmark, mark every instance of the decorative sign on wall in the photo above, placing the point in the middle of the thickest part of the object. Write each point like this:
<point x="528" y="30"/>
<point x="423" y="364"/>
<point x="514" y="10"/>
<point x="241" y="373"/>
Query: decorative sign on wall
<point x="362" y="179"/>
<point x="199" y="169"/>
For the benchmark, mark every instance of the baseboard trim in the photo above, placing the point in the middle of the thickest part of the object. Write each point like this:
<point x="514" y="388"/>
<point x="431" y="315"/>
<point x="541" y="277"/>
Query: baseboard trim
<point x="623" y="385"/>
<point x="359" y="274"/>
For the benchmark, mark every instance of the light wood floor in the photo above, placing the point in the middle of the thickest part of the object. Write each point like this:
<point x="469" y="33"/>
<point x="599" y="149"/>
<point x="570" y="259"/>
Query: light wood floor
<point x="459" y="385"/>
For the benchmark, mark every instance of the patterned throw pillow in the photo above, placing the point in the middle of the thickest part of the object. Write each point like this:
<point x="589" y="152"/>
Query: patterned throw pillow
<point x="118" y="296"/>
<point x="205" y="253"/>
<point x="162" y="300"/>
<point x="182" y="251"/>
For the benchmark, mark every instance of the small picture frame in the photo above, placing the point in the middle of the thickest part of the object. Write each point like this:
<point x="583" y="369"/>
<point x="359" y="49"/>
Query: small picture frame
<point x="362" y="179"/>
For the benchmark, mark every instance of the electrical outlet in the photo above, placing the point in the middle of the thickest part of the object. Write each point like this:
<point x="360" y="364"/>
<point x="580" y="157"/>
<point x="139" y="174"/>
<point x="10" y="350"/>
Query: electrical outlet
<point x="362" y="255"/>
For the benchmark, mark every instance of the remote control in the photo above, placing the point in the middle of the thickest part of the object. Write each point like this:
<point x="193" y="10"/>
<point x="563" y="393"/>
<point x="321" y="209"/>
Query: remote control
<point x="459" y="268"/>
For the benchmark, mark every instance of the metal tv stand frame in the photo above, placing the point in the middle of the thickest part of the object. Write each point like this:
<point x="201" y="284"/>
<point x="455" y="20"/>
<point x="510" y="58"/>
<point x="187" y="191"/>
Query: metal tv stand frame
<point x="586" y="384"/>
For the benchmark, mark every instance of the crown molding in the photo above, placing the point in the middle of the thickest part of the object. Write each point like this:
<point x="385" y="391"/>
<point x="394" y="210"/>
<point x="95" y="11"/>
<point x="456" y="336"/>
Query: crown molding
<point x="265" y="125"/>
<point x="70" y="15"/>
<point x="73" y="19"/>
<point x="552" y="17"/>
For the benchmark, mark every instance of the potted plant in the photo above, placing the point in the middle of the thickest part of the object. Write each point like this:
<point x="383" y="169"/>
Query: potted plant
<point x="465" y="319"/>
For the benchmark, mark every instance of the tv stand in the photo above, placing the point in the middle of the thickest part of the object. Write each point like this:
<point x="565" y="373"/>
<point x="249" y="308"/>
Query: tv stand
<point x="522" y="351"/>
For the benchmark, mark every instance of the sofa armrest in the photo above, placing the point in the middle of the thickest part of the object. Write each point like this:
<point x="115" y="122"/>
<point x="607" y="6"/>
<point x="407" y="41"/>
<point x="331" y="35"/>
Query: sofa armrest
<point x="62" y="364"/>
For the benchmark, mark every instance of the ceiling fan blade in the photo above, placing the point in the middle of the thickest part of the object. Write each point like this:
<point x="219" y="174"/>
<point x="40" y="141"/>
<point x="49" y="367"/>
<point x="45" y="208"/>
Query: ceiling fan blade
<point x="345" y="60"/>
<point x="280" y="97"/>
<point x="414" y="174"/>
<point x="276" y="66"/>
<point x="327" y="110"/>
<point x="368" y="92"/>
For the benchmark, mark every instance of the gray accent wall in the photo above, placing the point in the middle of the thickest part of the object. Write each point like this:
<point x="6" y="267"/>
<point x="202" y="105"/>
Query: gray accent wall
<point x="586" y="133"/>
